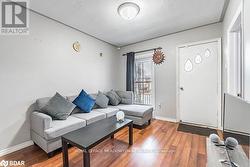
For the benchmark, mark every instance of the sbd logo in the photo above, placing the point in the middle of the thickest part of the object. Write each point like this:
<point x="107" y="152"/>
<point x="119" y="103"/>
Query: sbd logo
<point x="4" y="163"/>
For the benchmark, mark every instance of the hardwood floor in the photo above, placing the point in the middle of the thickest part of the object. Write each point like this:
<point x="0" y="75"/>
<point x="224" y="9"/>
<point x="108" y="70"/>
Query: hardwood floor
<point x="159" y="144"/>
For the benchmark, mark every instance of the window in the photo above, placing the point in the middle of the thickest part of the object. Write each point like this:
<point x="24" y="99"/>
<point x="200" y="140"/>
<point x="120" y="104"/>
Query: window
<point x="144" y="80"/>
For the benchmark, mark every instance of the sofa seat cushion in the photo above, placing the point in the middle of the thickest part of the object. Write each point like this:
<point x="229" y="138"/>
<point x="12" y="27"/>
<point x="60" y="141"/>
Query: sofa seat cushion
<point x="90" y="117"/>
<point x="109" y="111"/>
<point x="135" y="110"/>
<point x="61" y="127"/>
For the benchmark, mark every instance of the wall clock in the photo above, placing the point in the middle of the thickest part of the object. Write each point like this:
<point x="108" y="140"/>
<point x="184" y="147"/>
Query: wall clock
<point x="76" y="46"/>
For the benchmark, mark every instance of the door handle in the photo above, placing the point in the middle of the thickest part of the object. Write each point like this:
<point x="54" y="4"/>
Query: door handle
<point x="181" y="88"/>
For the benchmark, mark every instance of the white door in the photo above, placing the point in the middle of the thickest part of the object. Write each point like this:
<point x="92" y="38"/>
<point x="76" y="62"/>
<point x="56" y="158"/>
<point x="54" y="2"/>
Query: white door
<point x="199" y="73"/>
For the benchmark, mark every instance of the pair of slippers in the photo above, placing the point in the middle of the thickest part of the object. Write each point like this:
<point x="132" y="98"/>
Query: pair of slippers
<point x="230" y="142"/>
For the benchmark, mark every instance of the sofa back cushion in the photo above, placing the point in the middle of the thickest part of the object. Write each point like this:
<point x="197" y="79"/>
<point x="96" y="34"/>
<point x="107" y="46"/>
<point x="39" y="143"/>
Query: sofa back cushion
<point x="126" y="96"/>
<point x="71" y="98"/>
<point x="41" y="102"/>
<point x="94" y="95"/>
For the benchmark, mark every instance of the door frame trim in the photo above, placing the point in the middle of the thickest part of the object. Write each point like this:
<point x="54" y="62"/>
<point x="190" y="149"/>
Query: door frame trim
<point x="219" y="86"/>
<point x="239" y="13"/>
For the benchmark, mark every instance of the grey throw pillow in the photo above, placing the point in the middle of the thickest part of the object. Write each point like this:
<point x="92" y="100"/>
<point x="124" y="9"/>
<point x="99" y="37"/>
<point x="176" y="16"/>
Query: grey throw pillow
<point x="102" y="100"/>
<point x="58" y="107"/>
<point x="126" y="96"/>
<point x="114" y="99"/>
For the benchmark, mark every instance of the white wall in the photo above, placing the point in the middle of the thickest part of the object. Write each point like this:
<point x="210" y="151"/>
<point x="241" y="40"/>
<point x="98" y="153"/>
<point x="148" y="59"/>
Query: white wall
<point x="165" y="74"/>
<point x="247" y="47"/>
<point x="43" y="62"/>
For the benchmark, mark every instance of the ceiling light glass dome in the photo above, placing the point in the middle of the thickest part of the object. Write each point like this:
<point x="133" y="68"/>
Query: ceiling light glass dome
<point x="128" y="10"/>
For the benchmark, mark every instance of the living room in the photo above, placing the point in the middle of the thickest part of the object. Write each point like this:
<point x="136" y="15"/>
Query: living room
<point x="152" y="83"/>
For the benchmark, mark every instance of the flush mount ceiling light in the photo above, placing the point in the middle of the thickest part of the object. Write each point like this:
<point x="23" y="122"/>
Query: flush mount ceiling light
<point x="128" y="10"/>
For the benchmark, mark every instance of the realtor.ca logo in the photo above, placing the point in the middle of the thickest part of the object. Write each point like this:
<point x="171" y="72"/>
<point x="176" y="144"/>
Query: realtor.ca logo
<point x="5" y="163"/>
<point x="14" y="17"/>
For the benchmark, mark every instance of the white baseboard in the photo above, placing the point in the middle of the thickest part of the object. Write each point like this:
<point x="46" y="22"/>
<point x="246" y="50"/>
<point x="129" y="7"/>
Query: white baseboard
<point x="165" y="119"/>
<point x="16" y="148"/>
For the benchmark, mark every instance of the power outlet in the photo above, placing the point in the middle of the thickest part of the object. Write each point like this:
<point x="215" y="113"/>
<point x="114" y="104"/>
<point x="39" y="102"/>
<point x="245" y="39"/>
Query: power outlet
<point x="159" y="106"/>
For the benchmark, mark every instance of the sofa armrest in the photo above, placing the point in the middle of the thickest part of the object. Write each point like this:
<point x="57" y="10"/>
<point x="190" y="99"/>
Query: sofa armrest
<point x="40" y="122"/>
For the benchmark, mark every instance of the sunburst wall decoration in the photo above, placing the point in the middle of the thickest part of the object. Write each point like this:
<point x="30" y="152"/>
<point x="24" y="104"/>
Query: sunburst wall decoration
<point x="158" y="57"/>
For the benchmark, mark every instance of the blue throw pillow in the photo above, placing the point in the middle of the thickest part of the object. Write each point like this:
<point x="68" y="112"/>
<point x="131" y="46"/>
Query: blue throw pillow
<point x="84" y="102"/>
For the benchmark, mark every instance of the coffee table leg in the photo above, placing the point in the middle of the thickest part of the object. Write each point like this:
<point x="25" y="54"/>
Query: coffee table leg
<point x="131" y="134"/>
<point x="86" y="158"/>
<point x="65" y="153"/>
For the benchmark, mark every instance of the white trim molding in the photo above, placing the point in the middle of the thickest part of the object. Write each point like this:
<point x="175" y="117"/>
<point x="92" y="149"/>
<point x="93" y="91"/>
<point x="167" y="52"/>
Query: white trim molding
<point x="15" y="148"/>
<point x="165" y="119"/>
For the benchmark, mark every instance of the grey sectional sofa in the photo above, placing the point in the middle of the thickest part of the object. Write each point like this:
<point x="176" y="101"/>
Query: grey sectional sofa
<point x="46" y="132"/>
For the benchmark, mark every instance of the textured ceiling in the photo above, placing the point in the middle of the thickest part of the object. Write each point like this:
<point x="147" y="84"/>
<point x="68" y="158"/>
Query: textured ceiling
<point x="100" y="19"/>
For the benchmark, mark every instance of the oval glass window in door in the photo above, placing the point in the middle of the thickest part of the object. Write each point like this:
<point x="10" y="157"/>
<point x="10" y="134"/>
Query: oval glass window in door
<point x="188" y="66"/>
<point x="207" y="53"/>
<point x="198" y="59"/>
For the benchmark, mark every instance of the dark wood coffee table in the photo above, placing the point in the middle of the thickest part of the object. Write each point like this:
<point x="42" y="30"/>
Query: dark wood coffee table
<point x="91" y="135"/>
